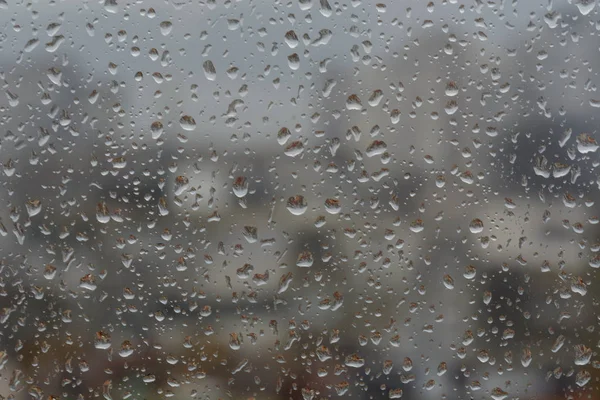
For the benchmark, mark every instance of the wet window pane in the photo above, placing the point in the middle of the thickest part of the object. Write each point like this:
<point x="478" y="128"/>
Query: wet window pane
<point x="304" y="199"/>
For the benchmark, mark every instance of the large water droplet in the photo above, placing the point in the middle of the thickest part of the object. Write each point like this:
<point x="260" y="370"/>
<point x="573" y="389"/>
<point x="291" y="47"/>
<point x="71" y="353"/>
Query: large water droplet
<point x="297" y="205"/>
<point x="585" y="6"/>
<point x="187" y="123"/>
<point x="209" y="70"/>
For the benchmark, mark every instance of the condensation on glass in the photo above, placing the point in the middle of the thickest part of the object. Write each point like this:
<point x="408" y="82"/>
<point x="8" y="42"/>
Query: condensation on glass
<point x="304" y="199"/>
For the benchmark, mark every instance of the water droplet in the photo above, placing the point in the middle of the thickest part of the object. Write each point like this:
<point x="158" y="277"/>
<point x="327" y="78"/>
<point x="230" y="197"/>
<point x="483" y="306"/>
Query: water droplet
<point x="582" y="378"/>
<point x="156" y="129"/>
<point x="294" y="149"/>
<point x="583" y="354"/>
<point x="470" y="272"/>
<point x="187" y="123"/>
<point x="375" y="98"/>
<point x="88" y="282"/>
<point x="305" y="259"/>
<point x="451" y="107"/>
<point x="305" y="4"/>
<point x="440" y="181"/>
<point x="283" y="136"/>
<point x="407" y="364"/>
<point x="442" y="368"/>
<point x="291" y="39"/>
<point x="245" y="271"/>
<point x="181" y="185"/>
<point x="34" y="207"/>
<point x="206" y="311"/>
<point x="102" y="213"/>
<point x="49" y="272"/>
<point x="126" y="349"/>
<point x="53" y="28"/>
<point x="451" y="89"/>
<point x="234" y="341"/>
<point x="395" y="116"/>
<point x="31" y="45"/>
<point x="569" y="200"/>
<point x="333" y="206"/>
<point x="448" y="282"/>
<point x="297" y="205"/>
<point x="166" y="27"/>
<point x="586" y="144"/>
<point x="526" y="357"/>
<point x="209" y="70"/>
<point x="417" y="225"/>
<point x="55" y="43"/>
<point x="250" y="234"/>
<point x="467" y="177"/>
<point x="354" y="361"/>
<point x="585" y="6"/>
<point x="476" y="226"/>
<point x="578" y="286"/>
<point x="111" y="6"/>
<point x="284" y="283"/>
<point x="102" y="340"/>
<point x="377" y="147"/>
<point x="240" y="186"/>
<point x="341" y="388"/>
<point x="498" y="394"/>
<point x="430" y="384"/>
<point x="487" y="297"/>
<point x="294" y="61"/>
<point x="163" y="209"/>
<point x="353" y="103"/>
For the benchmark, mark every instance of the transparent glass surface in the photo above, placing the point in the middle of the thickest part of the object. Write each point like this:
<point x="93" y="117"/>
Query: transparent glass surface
<point x="307" y="199"/>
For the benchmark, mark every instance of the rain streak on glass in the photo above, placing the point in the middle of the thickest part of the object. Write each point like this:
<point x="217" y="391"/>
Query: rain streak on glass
<point x="306" y="200"/>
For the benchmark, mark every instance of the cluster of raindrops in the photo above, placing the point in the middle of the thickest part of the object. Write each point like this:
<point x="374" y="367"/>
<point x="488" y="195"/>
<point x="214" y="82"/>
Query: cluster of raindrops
<point x="305" y="199"/>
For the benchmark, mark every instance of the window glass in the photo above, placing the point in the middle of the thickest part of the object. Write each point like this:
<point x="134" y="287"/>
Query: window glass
<point x="304" y="199"/>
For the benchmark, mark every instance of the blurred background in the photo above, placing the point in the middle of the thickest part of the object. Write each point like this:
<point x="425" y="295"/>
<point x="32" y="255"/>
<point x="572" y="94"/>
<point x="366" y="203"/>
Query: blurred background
<point x="299" y="200"/>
